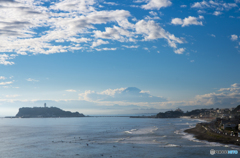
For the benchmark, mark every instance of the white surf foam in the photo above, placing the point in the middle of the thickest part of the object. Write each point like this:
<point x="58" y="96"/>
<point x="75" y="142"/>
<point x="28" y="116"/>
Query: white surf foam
<point x="170" y="146"/>
<point x="142" y="131"/>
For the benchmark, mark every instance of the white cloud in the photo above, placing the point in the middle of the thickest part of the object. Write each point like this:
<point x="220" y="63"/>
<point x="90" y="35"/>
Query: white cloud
<point x="235" y="85"/>
<point x="202" y="4"/>
<point x="2" y="78"/>
<point x="179" y="51"/>
<point x="153" y="16"/>
<point x="177" y="21"/>
<point x="71" y="90"/>
<point x="216" y="5"/>
<point x="216" y="13"/>
<point x="73" y="21"/>
<point x="183" y="6"/>
<point x="201" y="11"/>
<point x="100" y="49"/>
<point x="213" y="35"/>
<point x="79" y="40"/>
<point x="219" y="5"/>
<point x="115" y="33"/>
<point x="112" y="92"/>
<point x="144" y="91"/>
<point x="12" y="96"/>
<point x="98" y="43"/>
<point x="131" y="46"/>
<point x="188" y="21"/>
<point x="66" y="26"/>
<point x="4" y="58"/>
<point x="234" y="37"/>
<point x="152" y="31"/>
<point x="81" y="6"/>
<point x="110" y="3"/>
<point x="121" y="95"/>
<point x="156" y="4"/>
<point x="32" y="80"/>
<point x="5" y="83"/>
<point x="227" y="96"/>
<point x="153" y="13"/>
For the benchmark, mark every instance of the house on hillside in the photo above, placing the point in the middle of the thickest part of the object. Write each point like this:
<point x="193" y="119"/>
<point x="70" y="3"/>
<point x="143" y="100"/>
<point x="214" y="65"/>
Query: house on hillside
<point x="229" y="125"/>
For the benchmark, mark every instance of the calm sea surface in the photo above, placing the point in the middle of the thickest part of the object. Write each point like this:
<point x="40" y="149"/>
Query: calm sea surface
<point x="105" y="136"/>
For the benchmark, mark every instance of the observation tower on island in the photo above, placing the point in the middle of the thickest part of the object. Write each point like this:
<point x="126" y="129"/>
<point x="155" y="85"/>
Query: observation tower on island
<point x="45" y="105"/>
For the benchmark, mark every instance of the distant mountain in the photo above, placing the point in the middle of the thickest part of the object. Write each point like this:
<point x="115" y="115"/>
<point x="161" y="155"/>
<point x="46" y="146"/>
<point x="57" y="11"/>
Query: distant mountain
<point x="35" y="112"/>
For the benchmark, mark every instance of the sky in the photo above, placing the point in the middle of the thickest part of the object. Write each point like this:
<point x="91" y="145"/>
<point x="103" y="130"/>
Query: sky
<point x="119" y="57"/>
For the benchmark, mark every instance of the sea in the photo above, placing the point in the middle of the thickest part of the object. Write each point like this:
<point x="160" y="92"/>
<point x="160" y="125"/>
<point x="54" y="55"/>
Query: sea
<point x="96" y="137"/>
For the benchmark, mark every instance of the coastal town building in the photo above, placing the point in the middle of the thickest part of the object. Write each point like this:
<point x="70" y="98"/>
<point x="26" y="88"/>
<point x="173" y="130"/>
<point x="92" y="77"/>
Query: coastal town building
<point x="229" y="125"/>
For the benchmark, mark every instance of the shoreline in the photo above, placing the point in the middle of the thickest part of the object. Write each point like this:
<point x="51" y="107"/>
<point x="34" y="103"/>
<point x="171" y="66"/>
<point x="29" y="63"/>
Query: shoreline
<point x="201" y="133"/>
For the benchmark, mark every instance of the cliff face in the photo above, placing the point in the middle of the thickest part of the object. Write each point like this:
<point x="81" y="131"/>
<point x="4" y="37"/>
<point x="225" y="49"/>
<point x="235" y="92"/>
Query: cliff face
<point x="45" y="112"/>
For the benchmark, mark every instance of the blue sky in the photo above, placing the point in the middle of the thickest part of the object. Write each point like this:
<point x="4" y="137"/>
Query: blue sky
<point x="119" y="57"/>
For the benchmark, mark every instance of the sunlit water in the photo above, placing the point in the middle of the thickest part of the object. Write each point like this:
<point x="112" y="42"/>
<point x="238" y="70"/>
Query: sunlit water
<point x="105" y="136"/>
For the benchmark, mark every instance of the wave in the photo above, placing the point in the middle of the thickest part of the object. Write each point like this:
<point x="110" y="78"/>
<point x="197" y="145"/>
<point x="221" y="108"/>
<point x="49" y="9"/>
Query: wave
<point x="131" y="131"/>
<point x="121" y="139"/>
<point x="142" y="131"/>
<point x="170" y="145"/>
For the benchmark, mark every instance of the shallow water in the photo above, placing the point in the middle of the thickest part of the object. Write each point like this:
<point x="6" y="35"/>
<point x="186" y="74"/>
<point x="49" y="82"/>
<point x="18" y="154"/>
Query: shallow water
<point x="105" y="136"/>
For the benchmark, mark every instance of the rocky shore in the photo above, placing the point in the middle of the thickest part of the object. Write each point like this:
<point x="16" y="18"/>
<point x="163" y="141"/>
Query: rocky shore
<point x="202" y="133"/>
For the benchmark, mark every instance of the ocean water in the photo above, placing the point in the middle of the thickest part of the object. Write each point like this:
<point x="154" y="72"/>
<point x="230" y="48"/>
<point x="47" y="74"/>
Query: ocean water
<point x="92" y="137"/>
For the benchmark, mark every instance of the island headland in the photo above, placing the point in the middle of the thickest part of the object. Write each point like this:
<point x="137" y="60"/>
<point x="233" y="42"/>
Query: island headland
<point x="45" y="112"/>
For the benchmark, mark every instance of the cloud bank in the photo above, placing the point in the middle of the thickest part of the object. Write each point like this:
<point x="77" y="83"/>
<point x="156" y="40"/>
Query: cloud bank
<point x="30" y="27"/>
